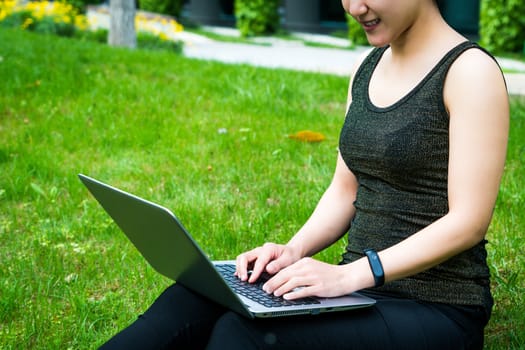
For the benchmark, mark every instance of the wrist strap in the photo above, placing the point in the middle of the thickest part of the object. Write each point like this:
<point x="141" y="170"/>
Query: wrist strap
<point x="376" y="267"/>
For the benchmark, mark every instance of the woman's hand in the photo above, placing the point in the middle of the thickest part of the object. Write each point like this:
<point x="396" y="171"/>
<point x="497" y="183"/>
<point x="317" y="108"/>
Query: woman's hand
<point x="270" y="257"/>
<point x="310" y="277"/>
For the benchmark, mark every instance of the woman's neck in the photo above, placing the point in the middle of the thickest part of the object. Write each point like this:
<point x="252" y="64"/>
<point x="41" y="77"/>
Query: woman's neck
<point x="428" y="34"/>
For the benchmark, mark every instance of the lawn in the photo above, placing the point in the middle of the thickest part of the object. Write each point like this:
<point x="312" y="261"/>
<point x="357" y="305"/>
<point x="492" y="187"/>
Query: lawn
<point x="207" y="140"/>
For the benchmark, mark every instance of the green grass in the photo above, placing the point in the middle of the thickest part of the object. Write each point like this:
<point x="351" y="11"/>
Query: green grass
<point x="224" y="38"/>
<point x="262" y="40"/>
<point x="205" y="139"/>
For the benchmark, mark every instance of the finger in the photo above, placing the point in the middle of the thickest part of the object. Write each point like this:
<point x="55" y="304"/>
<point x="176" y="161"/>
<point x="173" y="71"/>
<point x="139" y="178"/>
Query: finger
<point x="293" y="285"/>
<point x="273" y="283"/>
<point x="278" y="264"/>
<point x="298" y="293"/>
<point x="241" y="270"/>
<point x="282" y="282"/>
<point x="260" y="264"/>
<point x="243" y="262"/>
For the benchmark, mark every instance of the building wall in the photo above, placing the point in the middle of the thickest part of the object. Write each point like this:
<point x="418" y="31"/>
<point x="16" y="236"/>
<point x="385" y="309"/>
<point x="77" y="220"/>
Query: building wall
<point x="324" y="16"/>
<point x="327" y="17"/>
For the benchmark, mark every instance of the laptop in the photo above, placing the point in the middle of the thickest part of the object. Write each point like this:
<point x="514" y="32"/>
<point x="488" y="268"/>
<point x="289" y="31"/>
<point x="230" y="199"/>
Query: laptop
<point x="171" y="251"/>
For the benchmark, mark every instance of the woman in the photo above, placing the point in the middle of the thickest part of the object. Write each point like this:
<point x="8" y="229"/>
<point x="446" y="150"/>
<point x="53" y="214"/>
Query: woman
<point x="421" y="156"/>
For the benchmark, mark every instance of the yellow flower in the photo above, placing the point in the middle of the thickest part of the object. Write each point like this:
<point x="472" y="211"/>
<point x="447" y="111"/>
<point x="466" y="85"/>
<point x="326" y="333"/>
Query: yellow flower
<point x="7" y="7"/>
<point x="27" y="23"/>
<point x="176" y="27"/>
<point x="81" y="22"/>
<point x="59" y="11"/>
<point x="62" y="12"/>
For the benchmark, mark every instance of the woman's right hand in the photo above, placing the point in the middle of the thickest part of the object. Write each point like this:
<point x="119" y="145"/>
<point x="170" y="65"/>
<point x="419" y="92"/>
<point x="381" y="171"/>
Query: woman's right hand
<point x="270" y="258"/>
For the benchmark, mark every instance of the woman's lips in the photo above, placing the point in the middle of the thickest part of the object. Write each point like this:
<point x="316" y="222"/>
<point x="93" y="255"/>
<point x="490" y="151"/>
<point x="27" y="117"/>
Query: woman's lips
<point x="370" y="25"/>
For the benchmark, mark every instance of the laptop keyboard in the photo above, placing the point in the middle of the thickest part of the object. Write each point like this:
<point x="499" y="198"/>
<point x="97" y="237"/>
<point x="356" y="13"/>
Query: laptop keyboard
<point x="254" y="291"/>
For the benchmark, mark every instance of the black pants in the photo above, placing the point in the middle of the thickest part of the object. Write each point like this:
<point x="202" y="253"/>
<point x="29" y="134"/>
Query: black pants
<point x="180" y="319"/>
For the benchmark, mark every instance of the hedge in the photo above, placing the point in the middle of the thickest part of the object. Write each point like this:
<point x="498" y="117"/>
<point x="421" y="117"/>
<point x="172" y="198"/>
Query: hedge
<point x="356" y="33"/>
<point x="502" y="25"/>
<point x="257" y="17"/>
<point x="165" y="7"/>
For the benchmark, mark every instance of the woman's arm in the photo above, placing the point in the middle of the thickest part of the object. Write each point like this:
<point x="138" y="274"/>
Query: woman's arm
<point x="330" y="219"/>
<point x="477" y="101"/>
<point x="328" y="223"/>
<point x="332" y="215"/>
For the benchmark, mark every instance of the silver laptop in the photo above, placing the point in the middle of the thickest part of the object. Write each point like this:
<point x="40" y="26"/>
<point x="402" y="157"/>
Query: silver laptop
<point x="170" y="250"/>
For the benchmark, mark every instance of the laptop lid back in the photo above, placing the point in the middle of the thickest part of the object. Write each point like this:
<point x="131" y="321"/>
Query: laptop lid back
<point x="164" y="243"/>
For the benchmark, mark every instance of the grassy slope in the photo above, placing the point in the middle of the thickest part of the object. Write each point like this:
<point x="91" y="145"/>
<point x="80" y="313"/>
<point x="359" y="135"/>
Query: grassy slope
<point x="152" y="123"/>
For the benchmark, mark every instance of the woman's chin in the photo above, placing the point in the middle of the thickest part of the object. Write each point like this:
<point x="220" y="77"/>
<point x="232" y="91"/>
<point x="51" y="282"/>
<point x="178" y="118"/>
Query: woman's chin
<point x="376" y="41"/>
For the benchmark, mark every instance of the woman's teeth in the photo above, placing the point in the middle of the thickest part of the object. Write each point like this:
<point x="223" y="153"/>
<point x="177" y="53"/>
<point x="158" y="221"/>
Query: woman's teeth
<point x="371" y="23"/>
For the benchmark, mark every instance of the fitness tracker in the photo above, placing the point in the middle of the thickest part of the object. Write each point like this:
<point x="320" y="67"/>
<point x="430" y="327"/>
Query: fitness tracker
<point x="375" y="265"/>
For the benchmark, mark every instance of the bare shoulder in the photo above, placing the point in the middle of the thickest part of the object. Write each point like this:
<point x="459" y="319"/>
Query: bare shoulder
<point x="475" y="90"/>
<point x="475" y="74"/>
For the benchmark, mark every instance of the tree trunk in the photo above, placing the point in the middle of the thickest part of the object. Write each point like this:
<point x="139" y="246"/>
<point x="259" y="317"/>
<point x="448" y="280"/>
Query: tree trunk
<point x="122" y="23"/>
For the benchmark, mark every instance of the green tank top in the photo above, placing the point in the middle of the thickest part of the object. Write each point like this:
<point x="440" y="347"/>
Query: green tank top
<point x="399" y="155"/>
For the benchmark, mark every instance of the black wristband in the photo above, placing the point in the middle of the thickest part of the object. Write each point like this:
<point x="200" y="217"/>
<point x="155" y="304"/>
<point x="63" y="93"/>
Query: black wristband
<point x="375" y="265"/>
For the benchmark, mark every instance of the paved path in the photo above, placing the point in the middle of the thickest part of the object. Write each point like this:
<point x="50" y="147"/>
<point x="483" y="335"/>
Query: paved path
<point x="289" y="54"/>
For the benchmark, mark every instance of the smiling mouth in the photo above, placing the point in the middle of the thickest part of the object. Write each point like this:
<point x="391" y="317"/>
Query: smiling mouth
<point x="370" y="24"/>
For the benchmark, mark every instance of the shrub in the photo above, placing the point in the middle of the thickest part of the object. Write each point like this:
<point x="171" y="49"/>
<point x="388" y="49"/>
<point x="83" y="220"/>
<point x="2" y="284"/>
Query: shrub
<point x="44" y="17"/>
<point x="48" y="25"/>
<point x="257" y="17"/>
<point x="165" y="7"/>
<point x="145" y="40"/>
<point x="61" y="18"/>
<point x="99" y="35"/>
<point x="81" y="5"/>
<point x="356" y="34"/>
<point x="20" y="19"/>
<point x="502" y="25"/>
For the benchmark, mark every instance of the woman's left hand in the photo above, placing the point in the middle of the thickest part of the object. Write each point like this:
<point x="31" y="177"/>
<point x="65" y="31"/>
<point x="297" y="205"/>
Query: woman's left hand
<point x="308" y="277"/>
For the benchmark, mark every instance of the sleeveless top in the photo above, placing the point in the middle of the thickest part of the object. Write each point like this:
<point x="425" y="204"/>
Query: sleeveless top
<point x="399" y="155"/>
